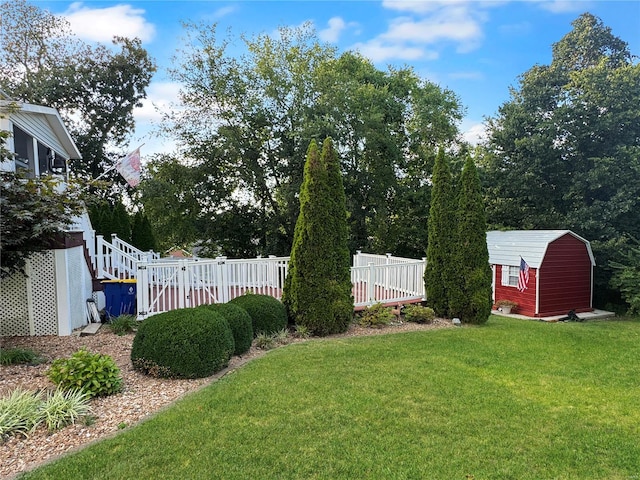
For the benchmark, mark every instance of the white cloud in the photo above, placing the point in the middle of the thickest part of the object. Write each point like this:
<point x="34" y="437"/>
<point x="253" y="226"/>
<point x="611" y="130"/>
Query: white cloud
<point x="424" y="27"/>
<point x="446" y="26"/>
<point x="161" y="98"/>
<point x="563" y="6"/>
<point x="474" y="133"/>
<point x="466" y="76"/>
<point x="102" y="24"/>
<point x="333" y="31"/>
<point x="378" y="51"/>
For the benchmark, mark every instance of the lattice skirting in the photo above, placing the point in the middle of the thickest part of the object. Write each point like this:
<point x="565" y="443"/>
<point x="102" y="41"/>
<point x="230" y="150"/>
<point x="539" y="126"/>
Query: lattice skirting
<point x="28" y="303"/>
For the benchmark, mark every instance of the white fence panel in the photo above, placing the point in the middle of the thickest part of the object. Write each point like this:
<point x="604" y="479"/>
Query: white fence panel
<point x="388" y="283"/>
<point x="166" y="285"/>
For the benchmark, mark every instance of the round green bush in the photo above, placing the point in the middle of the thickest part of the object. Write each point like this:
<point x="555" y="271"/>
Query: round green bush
<point x="267" y="313"/>
<point x="184" y="343"/>
<point x="240" y="323"/>
<point x="419" y="314"/>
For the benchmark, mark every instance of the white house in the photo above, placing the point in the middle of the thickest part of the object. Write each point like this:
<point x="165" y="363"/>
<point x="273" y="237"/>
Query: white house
<point x="51" y="298"/>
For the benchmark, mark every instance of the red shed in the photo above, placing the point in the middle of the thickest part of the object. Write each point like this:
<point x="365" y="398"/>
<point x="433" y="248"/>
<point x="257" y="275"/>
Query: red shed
<point x="560" y="271"/>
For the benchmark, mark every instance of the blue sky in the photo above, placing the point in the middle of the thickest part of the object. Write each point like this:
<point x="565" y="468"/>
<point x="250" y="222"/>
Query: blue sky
<point x="477" y="49"/>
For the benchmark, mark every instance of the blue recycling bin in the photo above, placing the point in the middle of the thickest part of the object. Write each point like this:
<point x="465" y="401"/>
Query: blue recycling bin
<point x="120" y="297"/>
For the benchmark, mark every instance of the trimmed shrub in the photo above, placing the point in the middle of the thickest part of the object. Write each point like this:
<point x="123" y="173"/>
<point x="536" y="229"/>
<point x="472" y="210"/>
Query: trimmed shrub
<point x="185" y="343"/>
<point x="239" y="322"/>
<point x="267" y="314"/>
<point x="418" y="314"/>
<point x="375" y="316"/>
<point x="96" y="374"/>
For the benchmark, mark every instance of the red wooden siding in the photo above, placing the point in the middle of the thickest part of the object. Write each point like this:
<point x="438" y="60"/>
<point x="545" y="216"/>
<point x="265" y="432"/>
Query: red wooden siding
<point x="565" y="277"/>
<point x="526" y="300"/>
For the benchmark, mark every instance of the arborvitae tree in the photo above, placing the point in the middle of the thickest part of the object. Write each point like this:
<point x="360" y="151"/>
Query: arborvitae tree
<point x="120" y="223"/>
<point x="142" y="236"/>
<point x="442" y="228"/>
<point x="471" y="299"/>
<point x="317" y="291"/>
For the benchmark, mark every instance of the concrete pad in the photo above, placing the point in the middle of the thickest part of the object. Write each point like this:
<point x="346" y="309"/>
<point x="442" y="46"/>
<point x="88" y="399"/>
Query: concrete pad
<point x="90" y="329"/>
<point x="594" y="315"/>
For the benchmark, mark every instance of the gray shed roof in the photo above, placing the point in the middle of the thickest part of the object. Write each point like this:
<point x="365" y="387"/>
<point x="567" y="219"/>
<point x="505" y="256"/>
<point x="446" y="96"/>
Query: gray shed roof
<point x="506" y="247"/>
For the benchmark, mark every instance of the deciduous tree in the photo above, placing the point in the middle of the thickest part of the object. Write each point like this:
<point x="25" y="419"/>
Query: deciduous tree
<point x="95" y="88"/>
<point x="245" y="121"/>
<point x="564" y="151"/>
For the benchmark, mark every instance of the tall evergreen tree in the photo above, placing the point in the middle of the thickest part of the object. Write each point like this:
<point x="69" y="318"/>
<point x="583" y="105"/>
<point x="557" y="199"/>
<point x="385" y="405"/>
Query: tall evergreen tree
<point x="317" y="291"/>
<point x="442" y="231"/>
<point x="142" y="236"/>
<point x="120" y="222"/>
<point x="470" y="299"/>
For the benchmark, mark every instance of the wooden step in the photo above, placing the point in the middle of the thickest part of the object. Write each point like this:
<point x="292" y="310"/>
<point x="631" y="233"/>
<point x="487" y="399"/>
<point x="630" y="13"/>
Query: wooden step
<point x="90" y="329"/>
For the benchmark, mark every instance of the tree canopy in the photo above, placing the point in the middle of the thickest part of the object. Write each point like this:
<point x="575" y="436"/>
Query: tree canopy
<point x="95" y="88"/>
<point x="564" y="151"/>
<point x="33" y="213"/>
<point x="245" y="122"/>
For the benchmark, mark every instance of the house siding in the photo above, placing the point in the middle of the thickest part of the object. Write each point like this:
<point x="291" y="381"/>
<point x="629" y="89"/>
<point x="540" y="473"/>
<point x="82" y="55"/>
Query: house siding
<point x="565" y="277"/>
<point x="37" y="126"/>
<point x="526" y="300"/>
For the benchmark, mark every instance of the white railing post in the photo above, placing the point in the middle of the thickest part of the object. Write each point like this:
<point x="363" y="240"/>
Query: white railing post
<point x="100" y="259"/>
<point x="222" y="279"/>
<point x="356" y="258"/>
<point x="371" y="284"/>
<point x="142" y="291"/>
<point x="182" y="284"/>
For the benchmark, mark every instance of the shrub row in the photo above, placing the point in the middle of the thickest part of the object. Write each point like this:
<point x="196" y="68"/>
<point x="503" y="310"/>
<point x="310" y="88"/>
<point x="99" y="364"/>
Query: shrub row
<point x="197" y="342"/>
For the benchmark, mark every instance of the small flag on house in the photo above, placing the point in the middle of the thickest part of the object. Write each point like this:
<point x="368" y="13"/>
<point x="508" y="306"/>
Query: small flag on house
<point x="523" y="277"/>
<point x="129" y="167"/>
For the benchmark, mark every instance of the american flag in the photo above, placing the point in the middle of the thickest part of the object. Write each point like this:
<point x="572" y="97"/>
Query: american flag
<point x="523" y="277"/>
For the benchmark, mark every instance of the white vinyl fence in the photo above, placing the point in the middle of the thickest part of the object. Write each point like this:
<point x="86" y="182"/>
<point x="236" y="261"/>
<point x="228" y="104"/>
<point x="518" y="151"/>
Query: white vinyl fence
<point x="386" y="279"/>
<point x="167" y="284"/>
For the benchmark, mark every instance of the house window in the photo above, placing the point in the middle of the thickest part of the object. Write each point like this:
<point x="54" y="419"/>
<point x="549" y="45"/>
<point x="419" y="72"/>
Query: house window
<point x="50" y="161"/>
<point x="23" y="148"/>
<point x="510" y="275"/>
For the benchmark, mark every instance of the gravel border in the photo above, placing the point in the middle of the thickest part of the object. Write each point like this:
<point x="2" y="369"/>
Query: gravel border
<point x="141" y="397"/>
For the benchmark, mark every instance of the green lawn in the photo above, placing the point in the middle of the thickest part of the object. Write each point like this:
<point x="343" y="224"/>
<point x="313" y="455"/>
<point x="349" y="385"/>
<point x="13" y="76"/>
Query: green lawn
<point x="509" y="400"/>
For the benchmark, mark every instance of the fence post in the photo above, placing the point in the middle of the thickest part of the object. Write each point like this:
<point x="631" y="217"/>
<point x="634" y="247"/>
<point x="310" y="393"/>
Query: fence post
<point x="100" y="256"/>
<point x="182" y="283"/>
<point x="222" y="280"/>
<point x="371" y="284"/>
<point x="142" y="292"/>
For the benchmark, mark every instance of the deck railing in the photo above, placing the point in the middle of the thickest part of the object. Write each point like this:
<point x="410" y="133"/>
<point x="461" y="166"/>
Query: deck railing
<point x="117" y="259"/>
<point x="167" y="284"/>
